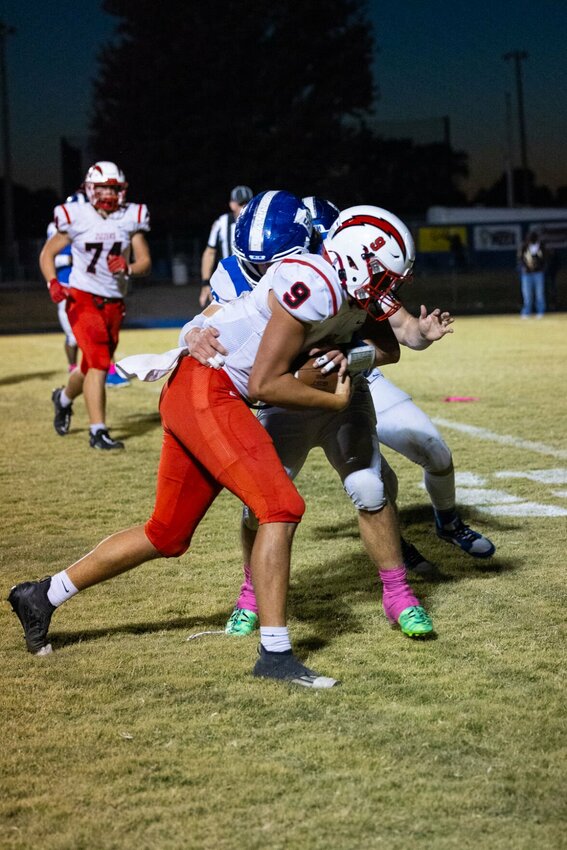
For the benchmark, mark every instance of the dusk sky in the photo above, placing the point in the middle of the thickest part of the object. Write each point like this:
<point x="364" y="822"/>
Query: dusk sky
<point x="432" y="59"/>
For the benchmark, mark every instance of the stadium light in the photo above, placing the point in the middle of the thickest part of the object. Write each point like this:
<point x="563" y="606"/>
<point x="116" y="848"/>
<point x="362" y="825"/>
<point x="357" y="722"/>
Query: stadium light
<point x="518" y="56"/>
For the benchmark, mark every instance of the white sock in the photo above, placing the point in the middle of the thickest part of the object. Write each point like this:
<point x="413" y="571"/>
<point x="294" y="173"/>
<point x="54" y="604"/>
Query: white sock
<point x="97" y="426"/>
<point x="64" y="399"/>
<point x="61" y="589"/>
<point x="275" y="638"/>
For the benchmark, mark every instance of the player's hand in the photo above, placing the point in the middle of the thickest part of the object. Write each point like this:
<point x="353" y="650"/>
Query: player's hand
<point x="343" y="392"/>
<point x="434" y="325"/>
<point x="330" y="359"/>
<point x="204" y="346"/>
<point x="205" y="295"/>
<point x="117" y="264"/>
<point x="57" y="293"/>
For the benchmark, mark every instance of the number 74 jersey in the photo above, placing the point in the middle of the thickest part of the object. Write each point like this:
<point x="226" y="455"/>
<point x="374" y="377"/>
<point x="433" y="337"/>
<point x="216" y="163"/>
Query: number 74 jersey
<point x="95" y="238"/>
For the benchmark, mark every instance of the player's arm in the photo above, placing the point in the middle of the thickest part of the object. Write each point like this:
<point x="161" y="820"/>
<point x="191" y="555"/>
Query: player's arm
<point x="48" y="253"/>
<point x="382" y="337"/>
<point x="47" y="256"/>
<point x="271" y="380"/>
<point x="419" y="332"/>
<point x="142" y="264"/>
<point x="208" y="261"/>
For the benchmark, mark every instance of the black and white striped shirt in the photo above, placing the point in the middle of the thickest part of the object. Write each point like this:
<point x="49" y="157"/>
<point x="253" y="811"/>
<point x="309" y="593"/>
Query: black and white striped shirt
<point x="221" y="236"/>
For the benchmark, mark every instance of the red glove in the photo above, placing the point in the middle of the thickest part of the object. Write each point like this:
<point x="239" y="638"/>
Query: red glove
<point x="57" y="292"/>
<point x="117" y="264"/>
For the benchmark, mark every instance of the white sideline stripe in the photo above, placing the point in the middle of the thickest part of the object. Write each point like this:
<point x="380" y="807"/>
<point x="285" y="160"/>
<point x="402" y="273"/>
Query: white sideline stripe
<point x="503" y="439"/>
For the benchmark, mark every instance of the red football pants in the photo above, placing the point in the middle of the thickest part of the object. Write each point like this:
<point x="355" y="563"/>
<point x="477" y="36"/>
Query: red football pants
<point x="96" y="324"/>
<point x="213" y="440"/>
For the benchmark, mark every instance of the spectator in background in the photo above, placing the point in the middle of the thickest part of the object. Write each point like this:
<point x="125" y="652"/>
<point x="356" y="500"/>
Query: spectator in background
<point x="532" y="261"/>
<point x="219" y="244"/>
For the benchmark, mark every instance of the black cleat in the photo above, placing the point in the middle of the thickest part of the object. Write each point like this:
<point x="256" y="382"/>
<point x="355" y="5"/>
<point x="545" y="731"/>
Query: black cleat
<point x="285" y="667"/>
<point x="62" y="418"/>
<point x="29" y="601"/>
<point x="414" y="560"/>
<point x="103" y="440"/>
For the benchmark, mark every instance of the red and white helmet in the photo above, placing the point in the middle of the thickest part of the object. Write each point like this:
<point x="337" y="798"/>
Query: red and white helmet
<point x="373" y="252"/>
<point x="106" y="186"/>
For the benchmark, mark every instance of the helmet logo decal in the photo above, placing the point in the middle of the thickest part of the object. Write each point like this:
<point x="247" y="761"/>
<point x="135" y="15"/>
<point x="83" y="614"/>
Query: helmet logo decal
<point x="380" y="223"/>
<point x="303" y="217"/>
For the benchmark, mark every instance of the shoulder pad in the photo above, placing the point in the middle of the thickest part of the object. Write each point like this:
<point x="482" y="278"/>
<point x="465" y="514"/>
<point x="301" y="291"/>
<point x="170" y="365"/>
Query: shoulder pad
<point x="308" y="287"/>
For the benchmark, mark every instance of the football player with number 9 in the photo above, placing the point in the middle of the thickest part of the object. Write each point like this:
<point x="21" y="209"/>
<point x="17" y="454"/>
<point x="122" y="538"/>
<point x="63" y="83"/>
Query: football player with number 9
<point x="370" y="257"/>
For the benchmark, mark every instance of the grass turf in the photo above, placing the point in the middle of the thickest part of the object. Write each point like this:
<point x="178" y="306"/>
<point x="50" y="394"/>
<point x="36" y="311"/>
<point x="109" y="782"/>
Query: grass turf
<point x="129" y="736"/>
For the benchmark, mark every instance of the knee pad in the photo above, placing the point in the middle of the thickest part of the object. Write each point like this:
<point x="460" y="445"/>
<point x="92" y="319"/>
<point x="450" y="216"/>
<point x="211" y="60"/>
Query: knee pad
<point x="437" y="458"/>
<point x="366" y="489"/>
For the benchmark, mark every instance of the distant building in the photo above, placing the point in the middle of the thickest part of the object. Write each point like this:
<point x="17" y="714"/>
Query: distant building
<point x="488" y="236"/>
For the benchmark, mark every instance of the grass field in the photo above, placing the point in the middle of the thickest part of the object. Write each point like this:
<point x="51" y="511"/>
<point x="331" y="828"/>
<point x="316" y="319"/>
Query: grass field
<point x="129" y="736"/>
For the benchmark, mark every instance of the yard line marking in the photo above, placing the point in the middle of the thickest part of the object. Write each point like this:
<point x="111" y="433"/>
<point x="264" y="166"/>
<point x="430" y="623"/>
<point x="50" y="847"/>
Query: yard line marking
<point x="503" y="439"/>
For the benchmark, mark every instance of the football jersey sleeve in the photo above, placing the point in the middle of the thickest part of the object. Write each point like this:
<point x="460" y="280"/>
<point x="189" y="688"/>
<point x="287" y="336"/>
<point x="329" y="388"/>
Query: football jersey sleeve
<point x="307" y="287"/>
<point x="228" y="281"/>
<point x="139" y="218"/>
<point x="62" y="218"/>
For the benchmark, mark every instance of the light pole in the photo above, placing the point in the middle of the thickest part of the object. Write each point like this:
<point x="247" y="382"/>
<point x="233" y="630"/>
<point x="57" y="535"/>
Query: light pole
<point x="9" y="257"/>
<point x="518" y="56"/>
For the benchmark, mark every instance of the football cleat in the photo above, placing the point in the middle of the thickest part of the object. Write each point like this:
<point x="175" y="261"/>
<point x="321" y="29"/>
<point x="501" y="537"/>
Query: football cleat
<point x="241" y="622"/>
<point x="415" y="622"/>
<point x="62" y="418"/>
<point x="29" y="601"/>
<point x="103" y="440"/>
<point x="113" y="379"/>
<point x="471" y="542"/>
<point x="285" y="667"/>
<point x="414" y="560"/>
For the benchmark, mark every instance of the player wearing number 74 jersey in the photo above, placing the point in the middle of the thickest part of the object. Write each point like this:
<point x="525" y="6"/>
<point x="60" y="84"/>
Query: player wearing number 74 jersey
<point x="102" y="235"/>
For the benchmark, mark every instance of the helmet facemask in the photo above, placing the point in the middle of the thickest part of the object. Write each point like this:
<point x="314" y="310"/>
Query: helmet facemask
<point x="107" y="197"/>
<point x="380" y="289"/>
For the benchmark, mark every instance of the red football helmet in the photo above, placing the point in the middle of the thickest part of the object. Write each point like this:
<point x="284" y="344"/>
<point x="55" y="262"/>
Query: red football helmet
<point x="106" y="186"/>
<point x="373" y="252"/>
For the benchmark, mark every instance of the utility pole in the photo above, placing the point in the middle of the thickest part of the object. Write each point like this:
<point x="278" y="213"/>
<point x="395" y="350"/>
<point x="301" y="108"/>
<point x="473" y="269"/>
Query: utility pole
<point x="509" y="159"/>
<point x="518" y="56"/>
<point x="9" y="254"/>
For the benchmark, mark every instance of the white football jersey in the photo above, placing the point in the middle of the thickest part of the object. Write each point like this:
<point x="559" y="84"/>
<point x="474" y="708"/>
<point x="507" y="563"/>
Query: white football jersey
<point x="93" y="238"/>
<point x="307" y="287"/>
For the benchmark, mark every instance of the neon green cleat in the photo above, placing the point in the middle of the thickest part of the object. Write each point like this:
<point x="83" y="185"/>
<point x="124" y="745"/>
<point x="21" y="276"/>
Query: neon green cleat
<point x="241" y="622"/>
<point x="415" y="622"/>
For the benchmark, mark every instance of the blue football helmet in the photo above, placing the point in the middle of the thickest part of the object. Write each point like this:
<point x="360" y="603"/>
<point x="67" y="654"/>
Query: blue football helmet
<point x="273" y="225"/>
<point x="323" y="213"/>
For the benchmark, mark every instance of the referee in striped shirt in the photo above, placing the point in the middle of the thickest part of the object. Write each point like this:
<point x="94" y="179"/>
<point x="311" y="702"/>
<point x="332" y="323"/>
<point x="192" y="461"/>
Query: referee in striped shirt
<point x="219" y="243"/>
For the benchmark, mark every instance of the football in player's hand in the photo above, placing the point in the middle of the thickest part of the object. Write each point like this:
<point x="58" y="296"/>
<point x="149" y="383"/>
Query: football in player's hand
<point x="310" y="374"/>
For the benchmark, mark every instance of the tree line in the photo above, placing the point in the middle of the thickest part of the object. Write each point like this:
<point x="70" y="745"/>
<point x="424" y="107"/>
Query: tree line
<point x="192" y="99"/>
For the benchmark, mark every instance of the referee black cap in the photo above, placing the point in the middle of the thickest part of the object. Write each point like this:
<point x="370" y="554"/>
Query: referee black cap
<point x="241" y="194"/>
